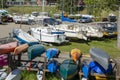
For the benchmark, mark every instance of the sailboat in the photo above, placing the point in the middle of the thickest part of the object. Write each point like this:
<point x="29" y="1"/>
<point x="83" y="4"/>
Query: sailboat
<point x="73" y="30"/>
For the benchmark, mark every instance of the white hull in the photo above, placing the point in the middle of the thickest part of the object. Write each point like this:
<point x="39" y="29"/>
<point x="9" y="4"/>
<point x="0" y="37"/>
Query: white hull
<point x="14" y="75"/>
<point x="46" y="36"/>
<point x="72" y="31"/>
<point x="23" y="36"/>
<point x="40" y="75"/>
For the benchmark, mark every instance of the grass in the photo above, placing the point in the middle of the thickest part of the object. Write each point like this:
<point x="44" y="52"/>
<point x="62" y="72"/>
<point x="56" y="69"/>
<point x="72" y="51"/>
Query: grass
<point x="108" y="45"/>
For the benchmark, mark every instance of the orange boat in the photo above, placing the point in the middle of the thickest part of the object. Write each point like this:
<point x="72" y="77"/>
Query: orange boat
<point x="7" y="48"/>
<point x="20" y="49"/>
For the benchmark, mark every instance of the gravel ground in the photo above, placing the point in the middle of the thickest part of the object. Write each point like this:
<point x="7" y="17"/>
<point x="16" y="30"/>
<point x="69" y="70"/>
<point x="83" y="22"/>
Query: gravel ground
<point x="6" y="28"/>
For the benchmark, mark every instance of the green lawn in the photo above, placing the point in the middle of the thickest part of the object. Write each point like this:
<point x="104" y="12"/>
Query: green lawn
<point x="108" y="45"/>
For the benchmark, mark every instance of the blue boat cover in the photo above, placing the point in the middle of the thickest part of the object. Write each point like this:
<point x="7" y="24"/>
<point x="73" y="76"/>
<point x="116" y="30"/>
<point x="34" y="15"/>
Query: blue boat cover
<point x="52" y="52"/>
<point x="52" y="66"/>
<point x="95" y="68"/>
<point x="67" y="19"/>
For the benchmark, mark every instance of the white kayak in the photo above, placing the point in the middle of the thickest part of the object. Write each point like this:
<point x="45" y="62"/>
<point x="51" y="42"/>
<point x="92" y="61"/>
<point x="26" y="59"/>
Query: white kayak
<point x="3" y="74"/>
<point x="14" y="75"/>
<point x="40" y="75"/>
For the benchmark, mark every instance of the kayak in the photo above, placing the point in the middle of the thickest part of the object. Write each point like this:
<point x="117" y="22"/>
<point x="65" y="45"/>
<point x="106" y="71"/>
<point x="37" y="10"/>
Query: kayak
<point x="7" y="48"/>
<point x="14" y="75"/>
<point x="20" y="49"/>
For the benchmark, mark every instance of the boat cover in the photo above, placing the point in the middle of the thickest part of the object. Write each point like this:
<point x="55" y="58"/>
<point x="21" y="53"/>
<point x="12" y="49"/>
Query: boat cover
<point x="52" y="52"/>
<point x="100" y="57"/>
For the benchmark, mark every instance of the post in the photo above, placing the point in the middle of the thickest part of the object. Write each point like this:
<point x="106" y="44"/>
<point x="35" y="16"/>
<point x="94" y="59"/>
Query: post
<point x="118" y="29"/>
<point x="43" y="5"/>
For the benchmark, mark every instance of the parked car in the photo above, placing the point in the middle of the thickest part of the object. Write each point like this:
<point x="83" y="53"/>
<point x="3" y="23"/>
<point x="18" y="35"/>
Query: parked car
<point x="110" y="30"/>
<point x="50" y="21"/>
<point x="85" y="19"/>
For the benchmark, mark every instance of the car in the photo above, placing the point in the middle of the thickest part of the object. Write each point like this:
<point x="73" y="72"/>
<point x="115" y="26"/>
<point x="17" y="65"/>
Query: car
<point x="50" y="21"/>
<point x="85" y="19"/>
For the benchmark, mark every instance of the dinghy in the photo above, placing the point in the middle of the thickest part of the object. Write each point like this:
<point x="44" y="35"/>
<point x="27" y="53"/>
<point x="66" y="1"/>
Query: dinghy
<point x="8" y="47"/>
<point x="24" y="37"/>
<point x="3" y="74"/>
<point x="20" y="49"/>
<point x="40" y="75"/>
<point x="46" y="34"/>
<point x="100" y="57"/>
<point x="68" y="69"/>
<point x="35" y="50"/>
<point x="14" y="75"/>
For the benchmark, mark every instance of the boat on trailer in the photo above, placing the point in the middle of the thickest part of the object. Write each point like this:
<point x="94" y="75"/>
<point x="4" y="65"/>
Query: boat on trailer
<point x="24" y="37"/>
<point x="73" y="30"/>
<point x="49" y="35"/>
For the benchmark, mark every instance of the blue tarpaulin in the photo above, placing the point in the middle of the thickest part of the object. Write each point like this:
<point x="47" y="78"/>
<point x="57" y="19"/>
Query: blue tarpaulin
<point x="67" y="19"/>
<point x="52" y="66"/>
<point x="52" y="52"/>
<point x="95" y="68"/>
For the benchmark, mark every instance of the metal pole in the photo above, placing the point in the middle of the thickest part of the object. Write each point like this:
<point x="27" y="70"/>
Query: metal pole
<point x="118" y="29"/>
<point x="43" y="5"/>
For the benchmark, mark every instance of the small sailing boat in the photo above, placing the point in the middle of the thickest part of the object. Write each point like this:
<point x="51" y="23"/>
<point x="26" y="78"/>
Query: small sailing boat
<point x="14" y="75"/>
<point x="8" y="47"/>
<point x="20" y="49"/>
<point x="100" y="57"/>
<point x="68" y="69"/>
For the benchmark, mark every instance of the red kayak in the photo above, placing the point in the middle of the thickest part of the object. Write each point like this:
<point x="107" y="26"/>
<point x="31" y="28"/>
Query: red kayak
<point x="7" y="48"/>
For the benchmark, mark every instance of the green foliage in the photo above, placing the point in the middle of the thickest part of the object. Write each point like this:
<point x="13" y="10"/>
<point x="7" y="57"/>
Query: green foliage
<point x="4" y="3"/>
<point x="69" y="6"/>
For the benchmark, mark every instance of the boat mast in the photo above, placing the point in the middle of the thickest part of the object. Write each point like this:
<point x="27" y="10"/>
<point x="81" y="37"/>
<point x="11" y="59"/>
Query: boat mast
<point x="43" y="5"/>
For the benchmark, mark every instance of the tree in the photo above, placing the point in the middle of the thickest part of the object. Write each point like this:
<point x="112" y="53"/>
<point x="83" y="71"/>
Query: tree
<point x="3" y="3"/>
<point x="69" y="6"/>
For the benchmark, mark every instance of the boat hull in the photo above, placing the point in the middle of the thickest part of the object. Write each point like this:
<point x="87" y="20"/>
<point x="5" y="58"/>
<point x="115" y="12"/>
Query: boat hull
<point x="14" y="75"/>
<point x="20" y="49"/>
<point x="7" y="48"/>
<point x="100" y="57"/>
<point x="35" y="50"/>
<point x="50" y="37"/>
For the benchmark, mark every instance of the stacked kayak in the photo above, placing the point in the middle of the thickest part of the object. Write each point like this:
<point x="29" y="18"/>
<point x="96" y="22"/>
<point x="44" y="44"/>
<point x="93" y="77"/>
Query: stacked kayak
<point x="35" y="50"/>
<point x="68" y="69"/>
<point x="8" y="47"/>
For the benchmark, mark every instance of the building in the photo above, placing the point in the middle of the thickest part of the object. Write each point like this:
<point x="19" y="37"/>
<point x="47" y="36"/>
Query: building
<point x="29" y="2"/>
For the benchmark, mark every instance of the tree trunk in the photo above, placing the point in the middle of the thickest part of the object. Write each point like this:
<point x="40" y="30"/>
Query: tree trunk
<point x="118" y="29"/>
